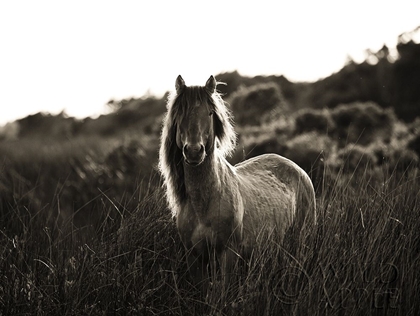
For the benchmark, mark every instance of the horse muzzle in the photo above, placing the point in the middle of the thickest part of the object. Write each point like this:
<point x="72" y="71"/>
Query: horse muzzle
<point x="194" y="154"/>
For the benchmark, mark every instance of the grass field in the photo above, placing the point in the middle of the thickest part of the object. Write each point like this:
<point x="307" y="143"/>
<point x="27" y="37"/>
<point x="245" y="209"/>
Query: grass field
<point x="79" y="235"/>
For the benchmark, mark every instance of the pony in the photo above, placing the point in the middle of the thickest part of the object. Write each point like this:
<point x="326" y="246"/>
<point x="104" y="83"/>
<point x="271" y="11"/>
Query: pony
<point x="221" y="209"/>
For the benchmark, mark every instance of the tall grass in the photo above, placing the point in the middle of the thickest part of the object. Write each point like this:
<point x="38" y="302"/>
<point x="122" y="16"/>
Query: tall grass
<point x="362" y="257"/>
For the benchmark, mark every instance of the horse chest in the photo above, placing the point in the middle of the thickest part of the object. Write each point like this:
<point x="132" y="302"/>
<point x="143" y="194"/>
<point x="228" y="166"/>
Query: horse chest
<point x="201" y="231"/>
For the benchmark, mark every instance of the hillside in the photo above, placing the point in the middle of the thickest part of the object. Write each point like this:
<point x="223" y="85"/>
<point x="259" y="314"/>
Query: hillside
<point x="380" y="79"/>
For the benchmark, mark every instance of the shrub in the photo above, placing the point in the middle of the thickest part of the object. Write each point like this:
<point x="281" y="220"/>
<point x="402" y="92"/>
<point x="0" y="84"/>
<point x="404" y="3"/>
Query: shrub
<point x="402" y="160"/>
<point x="265" y="144"/>
<point x="362" y="123"/>
<point x="10" y="131"/>
<point x="74" y="174"/>
<point x="355" y="157"/>
<point x="257" y="104"/>
<point x="414" y="144"/>
<point x="310" y="151"/>
<point x="43" y="125"/>
<point x="310" y="120"/>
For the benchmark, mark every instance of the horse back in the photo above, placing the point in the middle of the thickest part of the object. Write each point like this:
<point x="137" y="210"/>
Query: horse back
<point x="272" y="183"/>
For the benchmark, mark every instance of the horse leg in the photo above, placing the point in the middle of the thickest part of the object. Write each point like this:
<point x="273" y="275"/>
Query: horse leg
<point x="197" y="268"/>
<point x="227" y="259"/>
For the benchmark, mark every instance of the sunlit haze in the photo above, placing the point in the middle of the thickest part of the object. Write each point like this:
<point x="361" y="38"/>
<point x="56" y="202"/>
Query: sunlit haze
<point x="77" y="55"/>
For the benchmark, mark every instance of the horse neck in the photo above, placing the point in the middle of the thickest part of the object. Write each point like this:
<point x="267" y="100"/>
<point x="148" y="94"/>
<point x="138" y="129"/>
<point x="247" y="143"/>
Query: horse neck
<point x="201" y="181"/>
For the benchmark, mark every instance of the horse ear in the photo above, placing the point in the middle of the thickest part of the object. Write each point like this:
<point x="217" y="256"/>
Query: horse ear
<point x="211" y="85"/>
<point x="179" y="84"/>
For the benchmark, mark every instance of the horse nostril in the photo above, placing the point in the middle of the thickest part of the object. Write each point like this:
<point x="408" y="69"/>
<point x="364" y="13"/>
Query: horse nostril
<point x="193" y="149"/>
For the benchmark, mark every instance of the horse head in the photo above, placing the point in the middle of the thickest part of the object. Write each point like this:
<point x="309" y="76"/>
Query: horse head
<point x="196" y="124"/>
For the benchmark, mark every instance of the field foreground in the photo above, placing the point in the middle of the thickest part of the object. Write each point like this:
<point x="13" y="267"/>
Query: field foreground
<point x="361" y="258"/>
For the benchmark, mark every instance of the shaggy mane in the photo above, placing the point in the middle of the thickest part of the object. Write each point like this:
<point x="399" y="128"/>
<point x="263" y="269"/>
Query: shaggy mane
<point x="170" y="156"/>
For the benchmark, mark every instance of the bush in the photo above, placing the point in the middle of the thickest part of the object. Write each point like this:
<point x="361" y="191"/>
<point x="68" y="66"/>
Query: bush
<point x="265" y="144"/>
<point x="43" y="125"/>
<point x="414" y="144"/>
<point x="74" y="174"/>
<point x="402" y="160"/>
<point x="257" y="104"/>
<point x="10" y="131"/>
<point x="310" y="120"/>
<point x="310" y="151"/>
<point x="362" y="123"/>
<point x="355" y="157"/>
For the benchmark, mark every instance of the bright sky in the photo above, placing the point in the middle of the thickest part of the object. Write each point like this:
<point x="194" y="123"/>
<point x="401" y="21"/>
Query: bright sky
<point x="77" y="55"/>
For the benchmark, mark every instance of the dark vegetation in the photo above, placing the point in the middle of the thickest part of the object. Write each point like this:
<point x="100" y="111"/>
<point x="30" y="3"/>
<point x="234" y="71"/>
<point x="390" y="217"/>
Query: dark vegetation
<point x="84" y="228"/>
